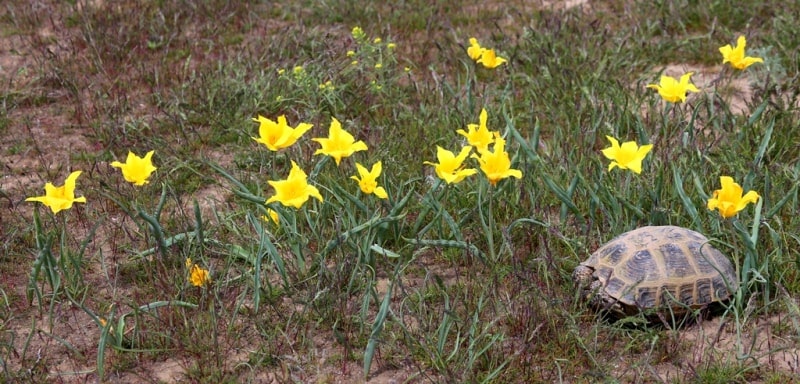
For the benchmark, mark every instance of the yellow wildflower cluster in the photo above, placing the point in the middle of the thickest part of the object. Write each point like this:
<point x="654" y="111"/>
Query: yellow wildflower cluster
<point x="371" y="57"/>
<point x="294" y="191"/>
<point x="487" y="57"/>
<point x="728" y="200"/>
<point x="674" y="90"/>
<point x="136" y="170"/>
<point x="495" y="164"/>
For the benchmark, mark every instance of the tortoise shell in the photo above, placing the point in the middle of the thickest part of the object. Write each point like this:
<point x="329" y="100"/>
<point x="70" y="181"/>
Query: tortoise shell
<point x="657" y="267"/>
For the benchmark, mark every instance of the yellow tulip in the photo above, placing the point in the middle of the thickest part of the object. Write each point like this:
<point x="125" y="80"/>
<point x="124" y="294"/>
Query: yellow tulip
<point x="628" y="156"/>
<point x="449" y="168"/>
<point x="478" y="135"/>
<point x="368" y="180"/>
<point x="339" y="143"/>
<point x="136" y="169"/>
<point x="729" y="200"/>
<point x="278" y="135"/>
<point x="735" y="55"/>
<point x="60" y="198"/>
<point x="271" y="217"/>
<point x="474" y="50"/>
<point x="672" y="90"/>
<point x="199" y="276"/>
<point x="490" y="60"/>
<point x="294" y="191"/>
<point x="496" y="164"/>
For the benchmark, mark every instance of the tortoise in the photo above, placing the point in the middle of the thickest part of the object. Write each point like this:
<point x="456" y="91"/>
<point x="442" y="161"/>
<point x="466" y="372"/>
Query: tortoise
<point x="655" y="269"/>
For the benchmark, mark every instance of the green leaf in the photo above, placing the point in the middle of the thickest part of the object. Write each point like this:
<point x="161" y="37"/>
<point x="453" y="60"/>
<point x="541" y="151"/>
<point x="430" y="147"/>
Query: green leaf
<point x="377" y="326"/>
<point x="383" y="251"/>
<point x="687" y="202"/>
<point x="562" y="195"/>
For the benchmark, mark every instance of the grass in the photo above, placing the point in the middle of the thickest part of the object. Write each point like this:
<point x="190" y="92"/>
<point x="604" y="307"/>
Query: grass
<point x="438" y="283"/>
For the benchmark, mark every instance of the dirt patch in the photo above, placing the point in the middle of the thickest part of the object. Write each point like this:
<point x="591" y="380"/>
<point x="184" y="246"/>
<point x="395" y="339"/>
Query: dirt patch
<point x="168" y="371"/>
<point x="564" y="4"/>
<point x="13" y="63"/>
<point x="62" y="347"/>
<point x="715" y="343"/>
<point x="734" y="87"/>
<point x="32" y="148"/>
<point x="209" y="199"/>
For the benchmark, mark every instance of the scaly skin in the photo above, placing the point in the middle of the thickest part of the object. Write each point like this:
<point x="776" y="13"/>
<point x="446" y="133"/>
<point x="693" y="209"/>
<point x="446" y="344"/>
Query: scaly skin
<point x="591" y="290"/>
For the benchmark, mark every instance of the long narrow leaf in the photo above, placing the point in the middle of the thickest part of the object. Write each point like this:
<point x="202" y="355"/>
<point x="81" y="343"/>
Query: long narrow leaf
<point x="377" y="326"/>
<point x="168" y="242"/>
<point x="198" y="226"/>
<point x="777" y="207"/>
<point x="762" y="148"/>
<point x="339" y="191"/>
<point x="383" y="251"/>
<point x="157" y="230"/>
<point x="342" y="237"/>
<point x="447" y="244"/>
<point x="563" y="196"/>
<point x="687" y="202"/>
<point x="265" y="247"/>
<point x="530" y="152"/>
<point x="228" y="176"/>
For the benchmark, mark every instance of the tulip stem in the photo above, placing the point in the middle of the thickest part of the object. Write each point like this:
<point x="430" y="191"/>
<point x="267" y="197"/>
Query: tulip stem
<point x="487" y="221"/>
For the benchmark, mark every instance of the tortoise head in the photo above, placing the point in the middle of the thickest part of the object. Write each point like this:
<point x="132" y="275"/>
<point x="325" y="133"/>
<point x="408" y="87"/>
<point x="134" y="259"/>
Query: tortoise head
<point x="583" y="276"/>
<point x="591" y="290"/>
